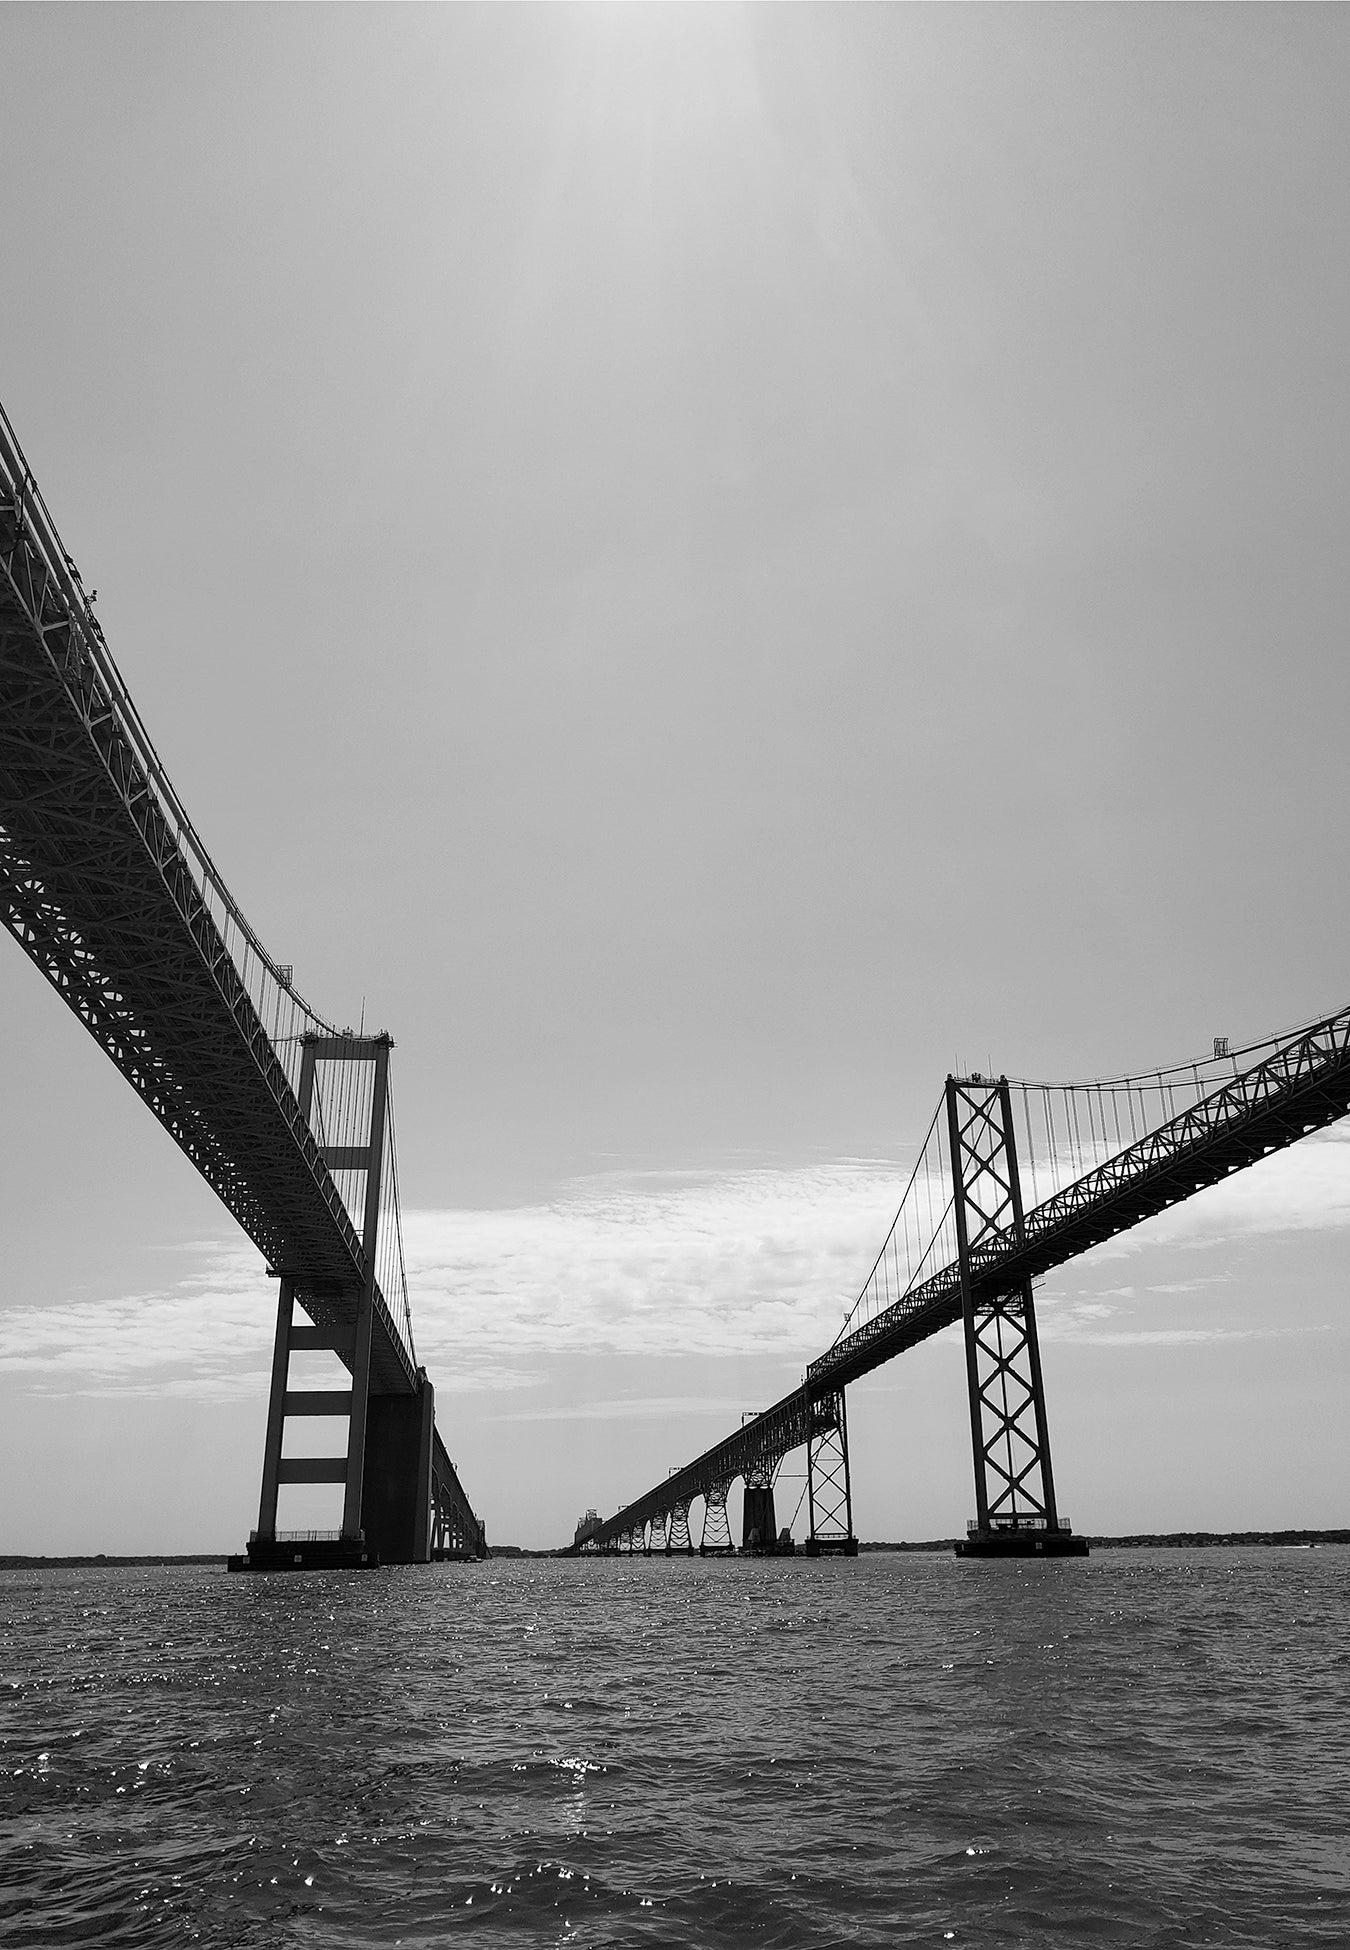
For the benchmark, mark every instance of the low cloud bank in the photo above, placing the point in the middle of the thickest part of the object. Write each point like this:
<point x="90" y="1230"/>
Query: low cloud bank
<point x="744" y="1262"/>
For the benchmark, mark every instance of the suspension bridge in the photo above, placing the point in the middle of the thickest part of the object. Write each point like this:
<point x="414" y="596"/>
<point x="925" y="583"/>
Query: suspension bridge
<point x="967" y="1246"/>
<point x="109" y="890"/>
<point x="289" y="1118"/>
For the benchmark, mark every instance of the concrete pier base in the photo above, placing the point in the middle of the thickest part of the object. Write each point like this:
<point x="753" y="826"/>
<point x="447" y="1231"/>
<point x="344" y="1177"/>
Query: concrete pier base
<point x="759" y="1525"/>
<point x="1021" y="1543"/>
<point x="396" y="1483"/>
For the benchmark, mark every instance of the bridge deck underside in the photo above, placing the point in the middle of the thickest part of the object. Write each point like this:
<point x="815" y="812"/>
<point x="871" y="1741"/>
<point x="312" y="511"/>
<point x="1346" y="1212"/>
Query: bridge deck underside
<point x="95" y="889"/>
<point x="1281" y="1102"/>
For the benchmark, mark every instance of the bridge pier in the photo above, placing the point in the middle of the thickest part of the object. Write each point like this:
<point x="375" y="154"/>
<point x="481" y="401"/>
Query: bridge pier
<point x="716" y="1527"/>
<point x="396" y="1485"/>
<point x="828" y="1489"/>
<point x="678" y="1539"/>
<point x="759" y="1524"/>
<point x="759" y="1521"/>
<point x="1016" y="1514"/>
<point x="386" y="1472"/>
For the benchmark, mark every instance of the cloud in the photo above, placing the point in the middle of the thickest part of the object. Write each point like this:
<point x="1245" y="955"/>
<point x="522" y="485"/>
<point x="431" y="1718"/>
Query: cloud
<point x="202" y="1336"/>
<point x="745" y="1262"/>
<point x="748" y="1262"/>
<point x="1188" y="1336"/>
<point x="632" y="1409"/>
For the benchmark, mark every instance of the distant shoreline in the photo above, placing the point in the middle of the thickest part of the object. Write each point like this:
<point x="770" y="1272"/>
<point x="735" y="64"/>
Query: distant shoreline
<point x="1162" y="1540"/>
<point x="1165" y="1540"/>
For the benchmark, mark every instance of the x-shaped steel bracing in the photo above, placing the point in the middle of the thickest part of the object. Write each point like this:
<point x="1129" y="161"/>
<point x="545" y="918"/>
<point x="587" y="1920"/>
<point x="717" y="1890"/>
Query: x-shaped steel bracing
<point x="1014" y="1483"/>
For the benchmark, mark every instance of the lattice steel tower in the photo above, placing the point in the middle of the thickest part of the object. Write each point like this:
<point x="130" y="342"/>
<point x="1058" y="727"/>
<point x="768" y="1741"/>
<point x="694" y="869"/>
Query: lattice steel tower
<point x="1015" y="1513"/>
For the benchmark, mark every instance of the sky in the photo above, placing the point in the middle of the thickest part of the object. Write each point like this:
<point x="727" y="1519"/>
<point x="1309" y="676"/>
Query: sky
<point x="705" y="567"/>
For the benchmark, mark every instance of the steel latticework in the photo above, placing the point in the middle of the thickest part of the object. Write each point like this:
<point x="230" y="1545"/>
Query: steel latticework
<point x="1111" y="1154"/>
<point x="716" y="1523"/>
<point x="108" y="889"/>
<point x="829" y="1492"/>
<point x="1014" y="1482"/>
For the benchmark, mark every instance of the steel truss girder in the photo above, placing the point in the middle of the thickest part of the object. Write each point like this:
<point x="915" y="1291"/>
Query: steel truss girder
<point x="1301" y="1087"/>
<point x="97" y="889"/>
<point x="94" y="888"/>
<point x="762" y="1473"/>
<point x="758" y="1445"/>
<point x="455" y="1530"/>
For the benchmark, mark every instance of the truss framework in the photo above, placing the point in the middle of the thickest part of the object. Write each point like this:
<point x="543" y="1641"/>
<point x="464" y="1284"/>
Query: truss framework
<point x="1014" y="1484"/>
<point x="455" y="1530"/>
<point x="829" y="1494"/>
<point x="1303" y="1086"/>
<point x="716" y="1525"/>
<point x="97" y="887"/>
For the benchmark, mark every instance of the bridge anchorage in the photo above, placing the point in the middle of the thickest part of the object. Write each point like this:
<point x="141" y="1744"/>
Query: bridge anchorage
<point x="964" y="1247"/>
<point x="106" y="886"/>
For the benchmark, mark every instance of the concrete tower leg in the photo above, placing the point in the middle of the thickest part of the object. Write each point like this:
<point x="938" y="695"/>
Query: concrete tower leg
<point x="396" y="1482"/>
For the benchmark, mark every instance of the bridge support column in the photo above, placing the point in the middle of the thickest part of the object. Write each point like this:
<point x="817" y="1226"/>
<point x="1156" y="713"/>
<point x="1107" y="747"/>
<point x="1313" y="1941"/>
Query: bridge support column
<point x="716" y="1528"/>
<point x="373" y="1167"/>
<point x="396" y="1482"/>
<point x="389" y="1437"/>
<point x="828" y="1489"/>
<point x="276" y="1412"/>
<point x="677" y="1536"/>
<point x="1015" y="1511"/>
<point x="759" y="1523"/>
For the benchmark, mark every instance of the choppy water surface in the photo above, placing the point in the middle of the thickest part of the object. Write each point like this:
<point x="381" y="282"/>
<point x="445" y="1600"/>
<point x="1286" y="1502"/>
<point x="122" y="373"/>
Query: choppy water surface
<point x="1150" y="1748"/>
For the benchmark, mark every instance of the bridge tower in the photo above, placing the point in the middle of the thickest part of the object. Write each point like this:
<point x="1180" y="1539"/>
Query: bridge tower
<point x="386" y="1473"/>
<point x="1015" y="1509"/>
<point x="829" y="1494"/>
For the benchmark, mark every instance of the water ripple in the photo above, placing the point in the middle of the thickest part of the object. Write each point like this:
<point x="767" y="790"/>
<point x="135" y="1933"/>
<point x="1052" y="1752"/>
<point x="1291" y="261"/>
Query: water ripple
<point x="1149" y="1749"/>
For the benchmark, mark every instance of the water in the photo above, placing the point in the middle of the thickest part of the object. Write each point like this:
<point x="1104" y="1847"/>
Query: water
<point x="1150" y="1748"/>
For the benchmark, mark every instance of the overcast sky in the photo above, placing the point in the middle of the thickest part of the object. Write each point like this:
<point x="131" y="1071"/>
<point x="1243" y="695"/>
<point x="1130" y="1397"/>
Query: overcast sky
<point x="707" y="567"/>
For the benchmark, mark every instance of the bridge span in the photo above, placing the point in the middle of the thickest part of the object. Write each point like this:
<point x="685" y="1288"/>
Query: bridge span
<point x="107" y="887"/>
<point x="965" y="1248"/>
